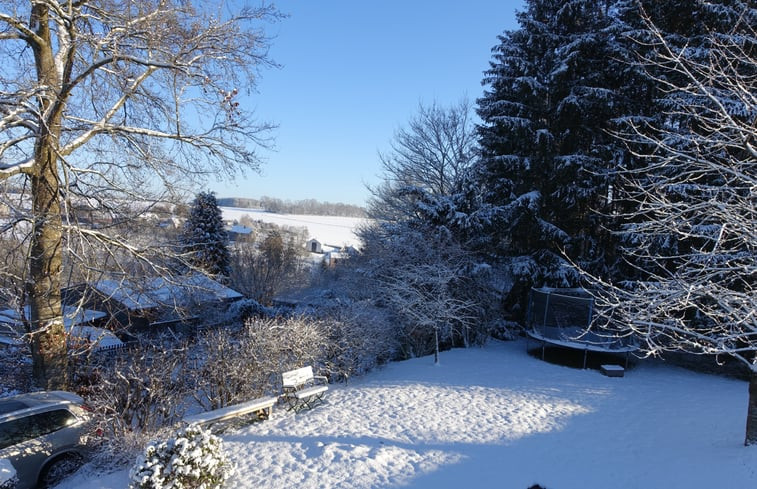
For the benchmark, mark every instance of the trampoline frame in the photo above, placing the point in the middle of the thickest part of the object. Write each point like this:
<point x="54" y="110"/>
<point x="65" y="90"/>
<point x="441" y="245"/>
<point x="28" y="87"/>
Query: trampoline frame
<point x="574" y="343"/>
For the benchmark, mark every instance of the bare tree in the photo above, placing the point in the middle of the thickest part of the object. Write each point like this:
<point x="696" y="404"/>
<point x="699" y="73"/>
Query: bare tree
<point x="432" y="153"/>
<point x="262" y="270"/>
<point x="698" y="189"/>
<point x="410" y="249"/>
<point x="419" y="276"/>
<point x="112" y="105"/>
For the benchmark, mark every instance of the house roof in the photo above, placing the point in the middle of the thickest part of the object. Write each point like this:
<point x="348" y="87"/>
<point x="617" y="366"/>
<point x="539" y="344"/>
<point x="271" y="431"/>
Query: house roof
<point x="238" y="229"/>
<point x="72" y="316"/>
<point x="101" y="338"/>
<point x="154" y="292"/>
<point x="74" y="320"/>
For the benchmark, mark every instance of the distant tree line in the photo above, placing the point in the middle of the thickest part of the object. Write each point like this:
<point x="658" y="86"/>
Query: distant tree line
<point x="306" y="206"/>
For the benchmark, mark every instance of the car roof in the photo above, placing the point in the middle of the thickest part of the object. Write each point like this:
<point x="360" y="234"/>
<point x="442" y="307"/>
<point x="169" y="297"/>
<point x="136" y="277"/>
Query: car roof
<point x="34" y="400"/>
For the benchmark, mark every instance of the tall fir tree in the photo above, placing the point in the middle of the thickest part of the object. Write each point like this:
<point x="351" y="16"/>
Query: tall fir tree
<point x="692" y="29"/>
<point x="555" y="88"/>
<point x="205" y="240"/>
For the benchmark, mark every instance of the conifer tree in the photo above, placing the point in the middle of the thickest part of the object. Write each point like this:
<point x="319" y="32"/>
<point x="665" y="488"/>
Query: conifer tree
<point x="205" y="240"/>
<point x="694" y="30"/>
<point x="554" y="90"/>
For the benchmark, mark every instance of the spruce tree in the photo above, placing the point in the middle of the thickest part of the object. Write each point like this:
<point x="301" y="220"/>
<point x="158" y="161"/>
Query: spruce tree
<point x="554" y="91"/>
<point x="205" y="240"/>
<point x="692" y="30"/>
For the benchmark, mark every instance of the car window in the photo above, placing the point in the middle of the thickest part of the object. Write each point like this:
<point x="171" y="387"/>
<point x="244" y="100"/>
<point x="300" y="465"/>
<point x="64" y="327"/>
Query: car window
<point x="29" y="427"/>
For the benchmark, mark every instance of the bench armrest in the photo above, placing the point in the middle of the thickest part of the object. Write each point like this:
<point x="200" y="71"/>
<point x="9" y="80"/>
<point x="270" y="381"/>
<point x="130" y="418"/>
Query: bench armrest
<point x="321" y="378"/>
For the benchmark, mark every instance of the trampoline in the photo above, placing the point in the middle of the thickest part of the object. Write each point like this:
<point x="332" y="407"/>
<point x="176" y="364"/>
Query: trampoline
<point x="562" y="317"/>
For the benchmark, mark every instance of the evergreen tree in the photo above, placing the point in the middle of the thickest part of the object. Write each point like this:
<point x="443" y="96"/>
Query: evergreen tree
<point x="555" y="89"/>
<point x="693" y="30"/>
<point x="205" y="240"/>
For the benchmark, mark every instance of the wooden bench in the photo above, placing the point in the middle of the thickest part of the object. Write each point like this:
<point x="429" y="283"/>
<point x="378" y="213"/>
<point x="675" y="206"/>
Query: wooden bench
<point x="262" y="407"/>
<point x="302" y="389"/>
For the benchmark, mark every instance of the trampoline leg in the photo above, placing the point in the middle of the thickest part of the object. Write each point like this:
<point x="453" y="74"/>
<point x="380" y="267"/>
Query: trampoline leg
<point x="542" y="351"/>
<point x="586" y="352"/>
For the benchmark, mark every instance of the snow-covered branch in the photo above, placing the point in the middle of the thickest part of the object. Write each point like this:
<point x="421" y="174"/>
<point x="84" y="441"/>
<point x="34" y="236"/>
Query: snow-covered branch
<point x="691" y="225"/>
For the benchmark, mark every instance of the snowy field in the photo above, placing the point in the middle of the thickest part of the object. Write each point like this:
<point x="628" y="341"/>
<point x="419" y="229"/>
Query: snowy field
<point x="496" y="417"/>
<point x="332" y="230"/>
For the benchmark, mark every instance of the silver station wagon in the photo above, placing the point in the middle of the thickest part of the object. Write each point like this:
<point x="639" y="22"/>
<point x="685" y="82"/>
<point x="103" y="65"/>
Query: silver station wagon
<point x="42" y="435"/>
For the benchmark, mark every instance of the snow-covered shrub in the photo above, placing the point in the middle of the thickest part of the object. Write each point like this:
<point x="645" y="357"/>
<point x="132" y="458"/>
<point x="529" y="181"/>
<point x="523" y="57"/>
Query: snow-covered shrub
<point x="221" y="373"/>
<point x="142" y="392"/>
<point x="240" y="311"/>
<point x="284" y="344"/>
<point x="233" y="365"/>
<point x="503" y="329"/>
<point x="192" y="459"/>
<point x="134" y="397"/>
<point x="361" y="337"/>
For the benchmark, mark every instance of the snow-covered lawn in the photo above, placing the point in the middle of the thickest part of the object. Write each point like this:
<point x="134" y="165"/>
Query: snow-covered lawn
<point x="496" y="417"/>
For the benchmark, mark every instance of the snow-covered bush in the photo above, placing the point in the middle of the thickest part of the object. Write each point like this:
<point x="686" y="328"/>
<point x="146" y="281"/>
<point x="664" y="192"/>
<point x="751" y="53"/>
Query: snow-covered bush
<point x="240" y="311"/>
<point x="141" y="392"/>
<point x="361" y="337"/>
<point x="134" y="397"/>
<point x="192" y="459"/>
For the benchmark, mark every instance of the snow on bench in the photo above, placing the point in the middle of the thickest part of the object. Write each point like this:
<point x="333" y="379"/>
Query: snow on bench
<point x="302" y="389"/>
<point x="263" y="407"/>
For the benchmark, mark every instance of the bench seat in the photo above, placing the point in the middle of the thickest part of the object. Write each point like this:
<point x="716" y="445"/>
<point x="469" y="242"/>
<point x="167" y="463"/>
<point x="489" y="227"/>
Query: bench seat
<point x="263" y="405"/>
<point x="302" y="389"/>
<point x="310" y="391"/>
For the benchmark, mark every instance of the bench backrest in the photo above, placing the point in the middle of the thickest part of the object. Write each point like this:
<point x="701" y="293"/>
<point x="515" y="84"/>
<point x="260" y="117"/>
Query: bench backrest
<point x="297" y="377"/>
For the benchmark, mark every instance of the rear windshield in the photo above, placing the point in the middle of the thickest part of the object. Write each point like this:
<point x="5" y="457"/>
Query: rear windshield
<point x="33" y="426"/>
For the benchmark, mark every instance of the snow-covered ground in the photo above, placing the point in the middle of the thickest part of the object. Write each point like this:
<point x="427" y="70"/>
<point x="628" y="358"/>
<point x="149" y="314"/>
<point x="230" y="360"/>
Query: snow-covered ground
<point x="332" y="230"/>
<point x="496" y="417"/>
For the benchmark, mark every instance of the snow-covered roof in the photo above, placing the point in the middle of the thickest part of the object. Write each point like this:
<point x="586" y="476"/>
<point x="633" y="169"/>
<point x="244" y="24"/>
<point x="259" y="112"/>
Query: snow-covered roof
<point x="153" y="292"/>
<point x="101" y="338"/>
<point x="237" y="229"/>
<point x="125" y="293"/>
<point x="75" y="320"/>
<point x="71" y="316"/>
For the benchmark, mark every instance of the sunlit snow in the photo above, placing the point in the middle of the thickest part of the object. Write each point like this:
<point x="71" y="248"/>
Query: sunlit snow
<point x="496" y="417"/>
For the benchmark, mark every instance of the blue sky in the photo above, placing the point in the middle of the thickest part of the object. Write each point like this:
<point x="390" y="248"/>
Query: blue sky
<point x="352" y="73"/>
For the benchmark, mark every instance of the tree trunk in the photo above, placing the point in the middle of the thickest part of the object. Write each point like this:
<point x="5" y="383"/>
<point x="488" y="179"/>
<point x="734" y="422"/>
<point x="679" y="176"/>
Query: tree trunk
<point x="751" y="415"/>
<point x="436" y="346"/>
<point x="49" y="353"/>
<point x="48" y="345"/>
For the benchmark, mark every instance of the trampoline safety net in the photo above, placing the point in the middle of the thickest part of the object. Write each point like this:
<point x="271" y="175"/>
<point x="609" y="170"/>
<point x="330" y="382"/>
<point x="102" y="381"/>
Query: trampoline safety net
<point x="565" y="315"/>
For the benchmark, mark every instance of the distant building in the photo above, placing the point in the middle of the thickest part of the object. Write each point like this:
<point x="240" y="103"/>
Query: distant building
<point x="314" y="246"/>
<point x="333" y="257"/>
<point x="237" y="232"/>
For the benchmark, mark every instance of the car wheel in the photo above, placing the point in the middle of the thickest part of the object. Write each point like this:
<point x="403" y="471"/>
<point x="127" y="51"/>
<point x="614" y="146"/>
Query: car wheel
<point x="58" y="469"/>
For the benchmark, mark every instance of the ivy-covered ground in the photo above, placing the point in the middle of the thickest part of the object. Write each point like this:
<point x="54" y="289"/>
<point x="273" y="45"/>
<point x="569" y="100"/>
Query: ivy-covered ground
<point x="497" y="417"/>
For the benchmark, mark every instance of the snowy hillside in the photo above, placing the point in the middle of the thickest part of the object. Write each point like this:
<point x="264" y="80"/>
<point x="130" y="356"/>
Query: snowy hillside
<point x="332" y="230"/>
<point x="496" y="417"/>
